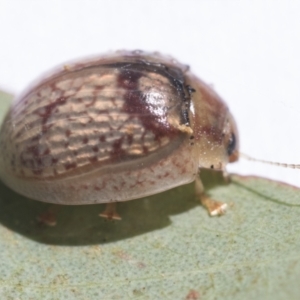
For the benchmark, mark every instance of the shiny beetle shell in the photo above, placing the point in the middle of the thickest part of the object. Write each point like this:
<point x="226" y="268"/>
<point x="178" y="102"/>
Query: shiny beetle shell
<point x="115" y="128"/>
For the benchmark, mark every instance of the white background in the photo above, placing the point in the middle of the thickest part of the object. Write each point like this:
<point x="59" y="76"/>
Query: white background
<point x="249" y="51"/>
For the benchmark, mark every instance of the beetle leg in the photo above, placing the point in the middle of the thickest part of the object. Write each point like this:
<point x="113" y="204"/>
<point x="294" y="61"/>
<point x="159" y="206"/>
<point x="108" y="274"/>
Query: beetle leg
<point x="110" y="212"/>
<point x="215" y="208"/>
<point x="226" y="176"/>
<point x="48" y="217"/>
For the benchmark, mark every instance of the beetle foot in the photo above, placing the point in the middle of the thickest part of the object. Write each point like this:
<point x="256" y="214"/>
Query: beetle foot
<point x="47" y="218"/>
<point x="110" y="212"/>
<point x="215" y="208"/>
<point x="226" y="177"/>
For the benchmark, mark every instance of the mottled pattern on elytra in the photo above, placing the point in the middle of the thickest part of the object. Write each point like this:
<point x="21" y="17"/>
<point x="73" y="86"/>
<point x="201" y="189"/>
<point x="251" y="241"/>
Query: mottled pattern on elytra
<point x="93" y="117"/>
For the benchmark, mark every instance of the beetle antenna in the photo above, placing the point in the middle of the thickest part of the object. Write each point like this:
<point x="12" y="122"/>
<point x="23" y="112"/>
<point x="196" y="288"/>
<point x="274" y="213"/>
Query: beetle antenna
<point x="284" y="165"/>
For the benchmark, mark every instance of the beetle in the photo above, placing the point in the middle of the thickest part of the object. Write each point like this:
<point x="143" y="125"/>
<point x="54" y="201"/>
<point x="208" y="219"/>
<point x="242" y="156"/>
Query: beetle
<point x="114" y="128"/>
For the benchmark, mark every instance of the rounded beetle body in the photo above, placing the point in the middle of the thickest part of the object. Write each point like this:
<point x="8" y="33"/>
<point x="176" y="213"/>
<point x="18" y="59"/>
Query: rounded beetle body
<point x="114" y="128"/>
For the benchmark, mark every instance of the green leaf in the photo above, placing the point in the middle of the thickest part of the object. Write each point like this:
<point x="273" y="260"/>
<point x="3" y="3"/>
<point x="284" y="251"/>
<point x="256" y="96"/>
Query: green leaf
<point x="5" y="100"/>
<point x="165" y="247"/>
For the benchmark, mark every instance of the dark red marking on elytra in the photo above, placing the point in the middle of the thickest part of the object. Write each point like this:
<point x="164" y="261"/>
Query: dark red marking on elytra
<point x="13" y="162"/>
<point x="46" y="151"/>
<point x="93" y="159"/>
<point x="49" y="108"/>
<point x="95" y="148"/>
<point x="117" y="152"/>
<point x="116" y="188"/>
<point x="45" y="129"/>
<point x="33" y="150"/>
<point x="85" y="140"/>
<point x="26" y="162"/>
<point x="162" y="163"/>
<point x="19" y="133"/>
<point x="177" y="163"/>
<point x="39" y="161"/>
<point x="138" y="183"/>
<point x="129" y="138"/>
<point x="144" y="105"/>
<point x="131" y="73"/>
<point x="102" y="138"/>
<point x="37" y="171"/>
<point x="92" y="102"/>
<point x="166" y="174"/>
<point x="128" y="79"/>
<point x="34" y="161"/>
<point x="145" y="150"/>
<point x="151" y="169"/>
<point x="54" y="160"/>
<point x="122" y="185"/>
<point x="35" y="138"/>
<point x="183" y="170"/>
<point x="69" y="166"/>
<point x="84" y="186"/>
<point x="68" y="132"/>
<point x="96" y="90"/>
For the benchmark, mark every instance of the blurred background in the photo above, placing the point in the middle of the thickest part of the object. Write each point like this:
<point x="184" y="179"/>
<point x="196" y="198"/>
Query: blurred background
<point x="248" y="50"/>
